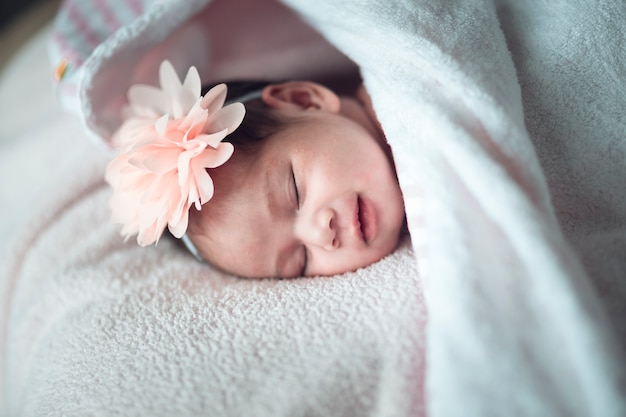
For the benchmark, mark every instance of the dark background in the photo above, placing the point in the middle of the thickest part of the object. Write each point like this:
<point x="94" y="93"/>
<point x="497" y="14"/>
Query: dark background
<point x="19" y="21"/>
<point x="10" y="9"/>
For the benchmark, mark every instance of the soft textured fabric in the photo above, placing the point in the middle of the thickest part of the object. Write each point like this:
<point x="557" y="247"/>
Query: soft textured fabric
<point x="506" y="122"/>
<point x="574" y="97"/>
<point x="95" y="326"/>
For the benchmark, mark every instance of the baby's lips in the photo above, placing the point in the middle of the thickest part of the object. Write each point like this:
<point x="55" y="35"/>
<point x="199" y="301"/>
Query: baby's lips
<point x="367" y="219"/>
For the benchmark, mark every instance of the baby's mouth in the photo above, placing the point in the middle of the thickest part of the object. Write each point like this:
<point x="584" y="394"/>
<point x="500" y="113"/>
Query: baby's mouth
<point x="367" y="220"/>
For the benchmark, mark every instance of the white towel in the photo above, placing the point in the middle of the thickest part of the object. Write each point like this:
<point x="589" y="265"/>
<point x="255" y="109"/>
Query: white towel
<point x="574" y="95"/>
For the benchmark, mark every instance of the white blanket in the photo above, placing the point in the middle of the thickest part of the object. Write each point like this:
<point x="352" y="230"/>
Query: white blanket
<point x="93" y="326"/>
<point x="507" y="124"/>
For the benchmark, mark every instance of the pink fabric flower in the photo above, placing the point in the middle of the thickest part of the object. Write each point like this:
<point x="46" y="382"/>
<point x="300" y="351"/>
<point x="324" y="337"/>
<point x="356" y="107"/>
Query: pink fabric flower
<point x="169" y="138"/>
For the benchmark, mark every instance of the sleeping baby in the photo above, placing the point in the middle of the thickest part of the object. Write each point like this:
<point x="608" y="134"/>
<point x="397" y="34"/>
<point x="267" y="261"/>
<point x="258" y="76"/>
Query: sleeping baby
<point x="290" y="180"/>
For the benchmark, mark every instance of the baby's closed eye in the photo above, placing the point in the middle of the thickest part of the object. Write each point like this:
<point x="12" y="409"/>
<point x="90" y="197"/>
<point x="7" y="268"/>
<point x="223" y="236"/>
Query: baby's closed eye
<point x="302" y="253"/>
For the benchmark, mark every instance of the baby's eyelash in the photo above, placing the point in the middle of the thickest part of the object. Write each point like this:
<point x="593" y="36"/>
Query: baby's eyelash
<point x="295" y="186"/>
<point x="305" y="252"/>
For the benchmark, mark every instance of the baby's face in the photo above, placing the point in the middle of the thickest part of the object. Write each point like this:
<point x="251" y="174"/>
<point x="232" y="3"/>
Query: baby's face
<point x="320" y="198"/>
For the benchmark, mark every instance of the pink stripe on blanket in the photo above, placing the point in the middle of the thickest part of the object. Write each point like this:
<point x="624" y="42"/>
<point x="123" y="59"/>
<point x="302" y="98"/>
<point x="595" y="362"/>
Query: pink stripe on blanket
<point x="136" y="6"/>
<point x="82" y="25"/>
<point x="108" y="16"/>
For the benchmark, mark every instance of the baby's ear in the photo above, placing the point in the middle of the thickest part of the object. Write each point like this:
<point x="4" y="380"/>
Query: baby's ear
<point x="300" y="95"/>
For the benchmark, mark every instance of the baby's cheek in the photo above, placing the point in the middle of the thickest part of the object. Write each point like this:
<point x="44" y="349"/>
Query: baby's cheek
<point x="249" y="250"/>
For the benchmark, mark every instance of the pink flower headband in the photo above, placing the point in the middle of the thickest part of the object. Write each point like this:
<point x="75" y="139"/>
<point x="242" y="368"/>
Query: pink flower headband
<point x="169" y="137"/>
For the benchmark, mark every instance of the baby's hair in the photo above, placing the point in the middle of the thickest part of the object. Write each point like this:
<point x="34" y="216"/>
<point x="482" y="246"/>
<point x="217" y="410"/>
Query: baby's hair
<point x="259" y="122"/>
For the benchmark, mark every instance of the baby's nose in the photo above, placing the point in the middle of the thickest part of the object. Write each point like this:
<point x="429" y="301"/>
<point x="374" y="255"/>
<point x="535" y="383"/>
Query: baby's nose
<point x="319" y="229"/>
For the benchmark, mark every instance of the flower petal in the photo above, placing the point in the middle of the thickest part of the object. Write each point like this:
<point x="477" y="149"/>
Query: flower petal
<point x="212" y="139"/>
<point x="148" y="232"/>
<point x="179" y="228"/>
<point x="192" y="82"/>
<point x="169" y="138"/>
<point x="215" y="157"/>
<point x="195" y="121"/>
<point x="182" y="103"/>
<point x="229" y="117"/>
<point x="161" y="124"/>
<point x="177" y="212"/>
<point x="214" y="99"/>
<point x="204" y="183"/>
<point x="170" y="83"/>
